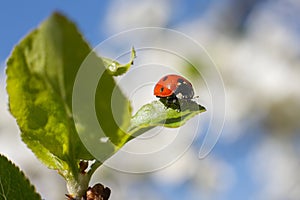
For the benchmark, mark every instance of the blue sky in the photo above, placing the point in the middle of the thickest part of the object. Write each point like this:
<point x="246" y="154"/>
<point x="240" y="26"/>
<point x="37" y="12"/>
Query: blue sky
<point x="17" y="18"/>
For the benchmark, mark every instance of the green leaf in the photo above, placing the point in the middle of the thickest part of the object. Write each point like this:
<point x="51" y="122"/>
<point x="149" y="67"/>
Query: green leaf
<point x="115" y="68"/>
<point x="156" y="114"/>
<point x="40" y="77"/>
<point x="13" y="183"/>
<point x="95" y="90"/>
<point x="41" y="73"/>
<point x="110" y="123"/>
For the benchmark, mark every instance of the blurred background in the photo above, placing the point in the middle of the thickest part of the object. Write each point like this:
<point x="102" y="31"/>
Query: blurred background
<point x="255" y="44"/>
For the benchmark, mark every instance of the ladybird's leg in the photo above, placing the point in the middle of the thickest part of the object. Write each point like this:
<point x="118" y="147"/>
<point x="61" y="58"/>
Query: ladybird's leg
<point x="174" y="102"/>
<point x="164" y="101"/>
<point x="177" y="105"/>
<point x="167" y="101"/>
<point x="170" y="102"/>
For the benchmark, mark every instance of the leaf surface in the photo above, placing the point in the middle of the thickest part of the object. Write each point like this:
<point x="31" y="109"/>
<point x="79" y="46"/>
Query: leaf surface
<point x="13" y="183"/>
<point x="157" y="114"/>
<point x="40" y="76"/>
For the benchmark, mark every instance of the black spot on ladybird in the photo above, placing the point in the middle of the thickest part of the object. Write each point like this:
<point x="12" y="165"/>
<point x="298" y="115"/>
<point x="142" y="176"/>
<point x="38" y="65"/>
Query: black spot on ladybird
<point x="180" y="80"/>
<point x="165" y="78"/>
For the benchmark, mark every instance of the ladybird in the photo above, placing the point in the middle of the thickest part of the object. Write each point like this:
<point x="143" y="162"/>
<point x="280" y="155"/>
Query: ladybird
<point x="173" y="88"/>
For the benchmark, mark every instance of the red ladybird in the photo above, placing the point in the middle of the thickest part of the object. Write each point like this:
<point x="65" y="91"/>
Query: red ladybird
<point x="172" y="88"/>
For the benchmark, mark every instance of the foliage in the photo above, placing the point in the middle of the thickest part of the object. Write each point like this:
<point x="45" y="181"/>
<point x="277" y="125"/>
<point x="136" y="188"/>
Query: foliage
<point x="41" y="73"/>
<point x="13" y="183"/>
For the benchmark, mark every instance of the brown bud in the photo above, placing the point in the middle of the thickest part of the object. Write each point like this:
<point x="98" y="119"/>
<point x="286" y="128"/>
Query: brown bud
<point x="98" y="192"/>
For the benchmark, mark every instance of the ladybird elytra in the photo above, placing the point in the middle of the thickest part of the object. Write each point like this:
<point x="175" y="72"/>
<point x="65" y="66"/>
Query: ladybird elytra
<point x="172" y="88"/>
<point x="174" y="84"/>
